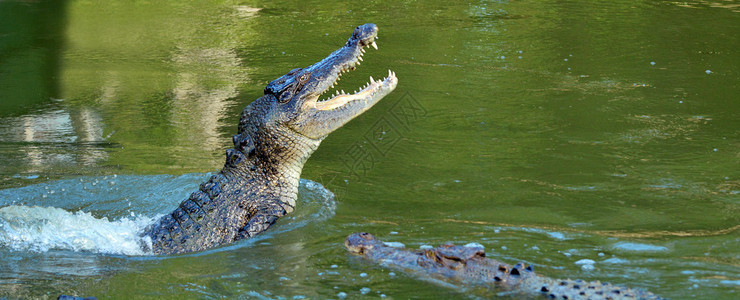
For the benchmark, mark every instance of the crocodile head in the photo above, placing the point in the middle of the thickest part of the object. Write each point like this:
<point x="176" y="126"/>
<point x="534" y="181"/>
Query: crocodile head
<point x="297" y="101"/>
<point x="359" y="243"/>
<point x="279" y="131"/>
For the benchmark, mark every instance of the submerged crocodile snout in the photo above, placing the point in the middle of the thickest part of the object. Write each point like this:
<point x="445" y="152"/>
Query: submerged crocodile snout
<point x="360" y="242"/>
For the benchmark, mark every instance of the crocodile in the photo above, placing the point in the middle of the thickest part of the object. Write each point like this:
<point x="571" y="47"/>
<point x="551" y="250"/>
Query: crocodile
<point x="469" y="265"/>
<point x="277" y="133"/>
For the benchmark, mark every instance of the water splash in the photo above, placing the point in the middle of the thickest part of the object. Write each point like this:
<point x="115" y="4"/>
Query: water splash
<point x="76" y="217"/>
<point x="39" y="229"/>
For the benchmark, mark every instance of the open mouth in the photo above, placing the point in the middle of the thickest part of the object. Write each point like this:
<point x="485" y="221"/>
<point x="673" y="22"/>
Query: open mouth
<point x="340" y="98"/>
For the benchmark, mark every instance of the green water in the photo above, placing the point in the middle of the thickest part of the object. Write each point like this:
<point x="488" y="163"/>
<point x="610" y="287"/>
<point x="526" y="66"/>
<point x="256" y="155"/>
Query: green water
<point x="548" y="131"/>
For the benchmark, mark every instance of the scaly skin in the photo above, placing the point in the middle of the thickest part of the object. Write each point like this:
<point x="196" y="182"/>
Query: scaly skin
<point x="277" y="133"/>
<point x="470" y="266"/>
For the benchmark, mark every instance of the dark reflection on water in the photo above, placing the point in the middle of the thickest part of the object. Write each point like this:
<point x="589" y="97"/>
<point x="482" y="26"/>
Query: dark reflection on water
<point x="548" y="131"/>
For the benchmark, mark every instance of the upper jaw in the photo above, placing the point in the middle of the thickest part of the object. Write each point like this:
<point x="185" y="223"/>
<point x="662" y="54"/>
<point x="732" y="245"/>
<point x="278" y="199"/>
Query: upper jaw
<point x="328" y="71"/>
<point x="321" y="117"/>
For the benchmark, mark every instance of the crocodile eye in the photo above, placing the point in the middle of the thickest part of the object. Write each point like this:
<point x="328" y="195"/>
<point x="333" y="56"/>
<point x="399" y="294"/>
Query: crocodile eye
<point x="304" y="77"/>
<point x="285" y="97"/>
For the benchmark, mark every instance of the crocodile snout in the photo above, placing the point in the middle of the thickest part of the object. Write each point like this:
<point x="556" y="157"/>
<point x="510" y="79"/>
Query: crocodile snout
<point x="358" y="243"/>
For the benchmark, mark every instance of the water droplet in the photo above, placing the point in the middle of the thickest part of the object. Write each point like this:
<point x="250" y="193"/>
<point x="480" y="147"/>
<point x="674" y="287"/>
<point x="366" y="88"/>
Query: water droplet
<point x="585" y="261"/>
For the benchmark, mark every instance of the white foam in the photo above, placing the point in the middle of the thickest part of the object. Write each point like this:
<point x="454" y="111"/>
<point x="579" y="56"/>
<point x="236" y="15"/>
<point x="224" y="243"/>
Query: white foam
<point x="585" y="261"/>
<point x="638" y="247"/>
<point x="474" y="245"/>
<point x="615" y="260"/>
<point x="39" y="229"/>
<point x="394" y="244"/>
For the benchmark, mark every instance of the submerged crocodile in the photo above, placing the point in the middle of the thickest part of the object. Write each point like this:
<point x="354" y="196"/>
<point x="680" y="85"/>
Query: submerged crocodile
<point x="469" y="265"/>
<point x="277" y="133"/>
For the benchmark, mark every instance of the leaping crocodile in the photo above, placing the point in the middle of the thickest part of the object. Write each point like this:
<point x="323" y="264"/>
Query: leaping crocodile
<point x="469" y="265"/>
<point x="277" y="133"/>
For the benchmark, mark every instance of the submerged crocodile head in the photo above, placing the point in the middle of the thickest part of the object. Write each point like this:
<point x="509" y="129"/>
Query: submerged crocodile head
<point x="359" y="243"/>
<point x="468" y="265"/>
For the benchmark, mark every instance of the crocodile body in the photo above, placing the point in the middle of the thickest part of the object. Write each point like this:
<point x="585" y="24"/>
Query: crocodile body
<point x="276" y="135"/>
<point x="469" y="265"/>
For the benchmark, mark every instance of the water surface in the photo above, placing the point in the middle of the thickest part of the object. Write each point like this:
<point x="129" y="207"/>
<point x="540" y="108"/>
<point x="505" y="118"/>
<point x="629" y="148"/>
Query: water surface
<point x="548" y="131"/>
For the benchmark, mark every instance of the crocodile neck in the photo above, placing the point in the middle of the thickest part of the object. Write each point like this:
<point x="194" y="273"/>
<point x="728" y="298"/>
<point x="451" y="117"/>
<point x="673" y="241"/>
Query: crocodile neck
<point x="270" y="162"/>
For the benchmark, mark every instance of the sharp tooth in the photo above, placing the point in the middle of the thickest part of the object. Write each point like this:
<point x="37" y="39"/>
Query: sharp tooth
<point x="389" y="73"/>
<point x="374" y="45"/>
<point x="371" y="79"/>
<point x="360" y="58"/>
<point x="343" y="92"/>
